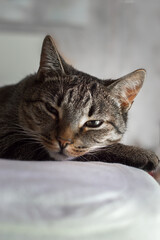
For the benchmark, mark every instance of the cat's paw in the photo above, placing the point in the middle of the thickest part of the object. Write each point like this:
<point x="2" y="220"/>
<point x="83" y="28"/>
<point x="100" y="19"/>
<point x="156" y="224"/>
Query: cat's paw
<point x="151" y="161"/>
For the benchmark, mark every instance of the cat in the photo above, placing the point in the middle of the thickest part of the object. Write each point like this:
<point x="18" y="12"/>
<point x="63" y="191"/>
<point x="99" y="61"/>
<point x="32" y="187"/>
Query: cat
<point x="61" y="113"/>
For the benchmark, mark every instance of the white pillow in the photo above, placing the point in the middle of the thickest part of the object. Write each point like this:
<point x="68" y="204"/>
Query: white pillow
<point x="77" y="200"/>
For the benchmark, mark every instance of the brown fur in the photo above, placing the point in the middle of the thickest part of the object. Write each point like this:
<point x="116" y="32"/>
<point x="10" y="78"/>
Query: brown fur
<point x="61" y="113"/>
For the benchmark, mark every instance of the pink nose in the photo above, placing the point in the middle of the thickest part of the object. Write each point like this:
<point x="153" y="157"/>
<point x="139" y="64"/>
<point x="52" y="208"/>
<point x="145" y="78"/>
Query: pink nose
<point x="64" y="142"/>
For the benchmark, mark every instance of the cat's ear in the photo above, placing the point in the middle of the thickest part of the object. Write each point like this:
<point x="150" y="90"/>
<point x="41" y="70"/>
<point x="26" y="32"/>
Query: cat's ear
<point x="126" y="88"/>
<point x="51" y="61"/>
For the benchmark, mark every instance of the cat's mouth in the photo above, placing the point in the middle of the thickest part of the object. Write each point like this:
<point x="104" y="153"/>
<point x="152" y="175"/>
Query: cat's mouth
<point x="66" y="154"/>
<point x="61" y="156"/>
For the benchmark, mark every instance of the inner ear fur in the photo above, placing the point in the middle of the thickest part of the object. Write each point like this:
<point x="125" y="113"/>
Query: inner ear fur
<point x="127" y="87"/>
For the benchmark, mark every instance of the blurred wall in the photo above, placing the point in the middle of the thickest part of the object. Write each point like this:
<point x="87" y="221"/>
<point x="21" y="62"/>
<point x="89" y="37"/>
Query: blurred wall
<point x="102" y="37"/>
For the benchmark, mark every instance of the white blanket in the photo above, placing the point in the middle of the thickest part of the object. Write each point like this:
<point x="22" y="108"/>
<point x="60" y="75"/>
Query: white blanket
<point x="77" y="200"/>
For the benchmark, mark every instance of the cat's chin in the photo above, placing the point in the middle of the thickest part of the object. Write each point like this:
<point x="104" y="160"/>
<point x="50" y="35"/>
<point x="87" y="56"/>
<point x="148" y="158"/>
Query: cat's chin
<point x="59" y="156"/>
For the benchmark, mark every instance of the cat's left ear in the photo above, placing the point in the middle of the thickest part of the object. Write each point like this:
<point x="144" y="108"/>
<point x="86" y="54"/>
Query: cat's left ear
<point x="126" y="88"/>
<point x="51" y="61"/>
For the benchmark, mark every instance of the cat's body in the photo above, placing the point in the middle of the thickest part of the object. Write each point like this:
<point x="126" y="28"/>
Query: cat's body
<point x="61" y="113"/>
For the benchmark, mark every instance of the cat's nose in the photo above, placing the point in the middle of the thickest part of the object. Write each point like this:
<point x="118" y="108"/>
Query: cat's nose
<point x="64" y="142"/>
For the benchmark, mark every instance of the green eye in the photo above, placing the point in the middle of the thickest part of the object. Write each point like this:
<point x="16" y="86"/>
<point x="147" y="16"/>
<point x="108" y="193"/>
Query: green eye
<point x="51" y="109"/>
<point x="93" y="123"/>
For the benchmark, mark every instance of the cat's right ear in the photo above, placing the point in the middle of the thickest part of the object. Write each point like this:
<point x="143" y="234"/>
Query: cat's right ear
<point x="51" y="61"/>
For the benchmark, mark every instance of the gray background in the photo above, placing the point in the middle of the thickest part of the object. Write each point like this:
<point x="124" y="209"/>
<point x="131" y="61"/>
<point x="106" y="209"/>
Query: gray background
<point x="104" y="38"/>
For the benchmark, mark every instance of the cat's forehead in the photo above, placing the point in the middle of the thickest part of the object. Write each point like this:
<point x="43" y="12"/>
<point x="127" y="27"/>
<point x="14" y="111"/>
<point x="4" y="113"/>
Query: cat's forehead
<point x="70" y="81"/>
<point x="75" y="93"/>
<point x="74" y="86"/>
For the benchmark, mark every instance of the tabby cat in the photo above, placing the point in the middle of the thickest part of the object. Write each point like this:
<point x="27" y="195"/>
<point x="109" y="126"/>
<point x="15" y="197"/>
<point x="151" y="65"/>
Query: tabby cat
<point x="61" y="113"/>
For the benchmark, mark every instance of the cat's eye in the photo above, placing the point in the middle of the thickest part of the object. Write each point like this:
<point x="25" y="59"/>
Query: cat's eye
<point x="51" y="109"/>
<point x="93" y="123"/>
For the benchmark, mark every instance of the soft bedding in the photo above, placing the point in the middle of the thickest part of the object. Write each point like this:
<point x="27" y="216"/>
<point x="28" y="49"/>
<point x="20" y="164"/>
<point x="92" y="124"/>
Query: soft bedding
<point x="77" y="200"/>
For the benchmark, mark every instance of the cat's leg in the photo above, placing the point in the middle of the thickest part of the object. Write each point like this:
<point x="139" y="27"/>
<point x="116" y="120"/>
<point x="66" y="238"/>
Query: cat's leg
<point x="128" y="155"/>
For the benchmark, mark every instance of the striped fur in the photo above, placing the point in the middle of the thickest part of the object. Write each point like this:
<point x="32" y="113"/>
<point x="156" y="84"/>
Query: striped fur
<point x="48" y="114"/>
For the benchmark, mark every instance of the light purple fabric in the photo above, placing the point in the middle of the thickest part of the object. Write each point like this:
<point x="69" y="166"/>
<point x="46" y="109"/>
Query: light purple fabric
<point x="77" y="200"/>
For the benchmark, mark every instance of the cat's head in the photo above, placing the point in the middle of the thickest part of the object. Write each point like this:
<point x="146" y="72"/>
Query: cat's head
<point x="72" y="113"/>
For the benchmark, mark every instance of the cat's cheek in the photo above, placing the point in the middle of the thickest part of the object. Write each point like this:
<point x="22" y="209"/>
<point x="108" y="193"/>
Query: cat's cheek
<point x="109" y="137"/>
<point x="70" y="151"/>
